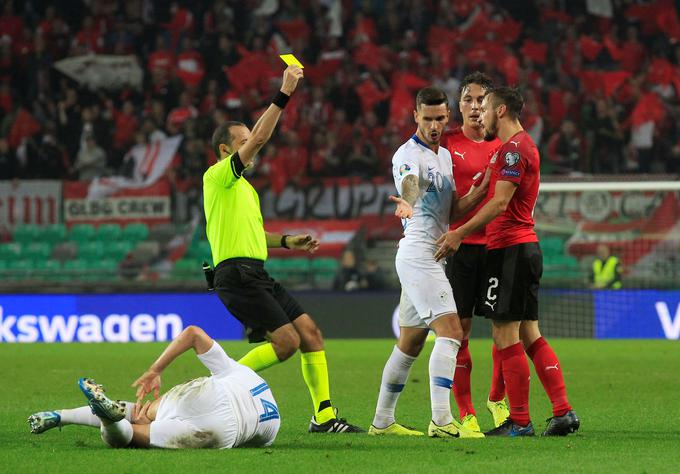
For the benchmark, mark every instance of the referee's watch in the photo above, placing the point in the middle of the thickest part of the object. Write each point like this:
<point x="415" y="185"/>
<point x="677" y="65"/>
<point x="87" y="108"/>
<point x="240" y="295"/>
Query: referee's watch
<point x="284" y="244"/>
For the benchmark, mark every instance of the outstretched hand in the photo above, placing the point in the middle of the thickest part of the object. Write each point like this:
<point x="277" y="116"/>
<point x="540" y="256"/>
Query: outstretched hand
<point x="303" y="242"/>
<point x="149" y="381"/>
<point x="404" y="209"/>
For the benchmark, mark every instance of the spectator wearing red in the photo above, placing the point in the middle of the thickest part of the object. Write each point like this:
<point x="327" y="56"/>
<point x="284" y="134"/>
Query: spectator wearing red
<point x="125" y="125"/>
<point x="189" y="65"/>
<point x="11" y="25"/>
<point x="90" y="38"/>
<point x="162" y="60"/>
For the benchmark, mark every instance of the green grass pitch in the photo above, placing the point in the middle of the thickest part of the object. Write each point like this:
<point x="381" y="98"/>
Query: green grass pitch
<point x="626" y="393"/>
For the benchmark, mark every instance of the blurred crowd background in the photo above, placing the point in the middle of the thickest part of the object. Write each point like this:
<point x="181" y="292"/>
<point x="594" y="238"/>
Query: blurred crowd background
<point x="600" y="79"/>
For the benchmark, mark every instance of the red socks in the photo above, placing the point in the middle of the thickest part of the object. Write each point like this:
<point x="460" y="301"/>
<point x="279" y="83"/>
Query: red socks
<point x="461" y="380"/>
<point x="515" y="370"/>
<point x="497" y="392"/>
<point x="550" y="373"/>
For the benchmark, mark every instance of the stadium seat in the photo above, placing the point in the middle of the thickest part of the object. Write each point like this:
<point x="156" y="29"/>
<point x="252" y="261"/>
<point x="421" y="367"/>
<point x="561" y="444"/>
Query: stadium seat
<point x="108" y="232"/>
<point x="82" y="232"/>
<point x="200" y="249"/>
<point x="36" y="250"/>
<point x="20" y="269"/>
<point x="136" y="231"/>
<point x="10" y="251"/>
<point x="26" y="233"/>
<point x="47" y="269"/>
<point x="186" y="269"/>
<point x="146" y="251"/>
<point x="53" y="233"/>
<point x="118" y="250"/>
<point x="324" y="270"/>
<point x="91" y="250"/>
<point x="104" y="270"/>
<point x="77" y="269"/>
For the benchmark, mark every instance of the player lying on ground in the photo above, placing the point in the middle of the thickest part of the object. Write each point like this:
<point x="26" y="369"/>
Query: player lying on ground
<point x="232" y="407"/>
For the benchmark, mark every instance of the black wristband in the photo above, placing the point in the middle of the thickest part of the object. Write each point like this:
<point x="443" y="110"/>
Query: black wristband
<point x="283" y="241"/>
<point x="280" y="100"/>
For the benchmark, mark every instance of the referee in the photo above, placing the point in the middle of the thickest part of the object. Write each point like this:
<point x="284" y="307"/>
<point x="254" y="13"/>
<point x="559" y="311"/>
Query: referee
<point x="239" y="243"/>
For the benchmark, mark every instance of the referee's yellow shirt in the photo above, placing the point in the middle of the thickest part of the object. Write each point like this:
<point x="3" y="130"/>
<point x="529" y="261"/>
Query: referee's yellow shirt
<point x="233" y="218"/>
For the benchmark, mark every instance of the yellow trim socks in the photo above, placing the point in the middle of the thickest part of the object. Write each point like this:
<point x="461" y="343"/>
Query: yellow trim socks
<point x="260" y="358"/>
<point x="315" y="373"/>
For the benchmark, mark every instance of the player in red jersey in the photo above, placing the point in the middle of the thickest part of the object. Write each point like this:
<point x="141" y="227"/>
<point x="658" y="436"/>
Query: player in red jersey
<point x="514" y="267"/>
<point x="470" y="155"/>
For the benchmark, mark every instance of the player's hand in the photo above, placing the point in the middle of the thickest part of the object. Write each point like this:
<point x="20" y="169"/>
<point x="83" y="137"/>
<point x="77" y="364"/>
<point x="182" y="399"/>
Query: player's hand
<point x="150" y="381"/>
<point x="291" y="76"/>
<point x="140" y="415"/>
<point x="404" y="209"/>
<point x="448" y="244"/>
<point x="303" y="242"/>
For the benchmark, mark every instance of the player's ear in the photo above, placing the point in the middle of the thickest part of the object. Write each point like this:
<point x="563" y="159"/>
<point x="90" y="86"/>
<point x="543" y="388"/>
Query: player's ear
<point x="415" y="115"/>
<point x="501" y="110"/>
<point x="224" y="150"/>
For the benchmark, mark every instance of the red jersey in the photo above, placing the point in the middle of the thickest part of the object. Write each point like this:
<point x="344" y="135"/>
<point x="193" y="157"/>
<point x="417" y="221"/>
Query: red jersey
<point x="517" y="161"/>
<point x="469" y="158"/>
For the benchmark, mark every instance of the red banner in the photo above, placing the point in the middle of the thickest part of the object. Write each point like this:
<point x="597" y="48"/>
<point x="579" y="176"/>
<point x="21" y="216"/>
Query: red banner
<point x="150" y="205"/>
<point x="30" y="202"/>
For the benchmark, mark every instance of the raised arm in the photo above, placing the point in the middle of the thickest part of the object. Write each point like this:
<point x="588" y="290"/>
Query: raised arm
<point x="297" y="242"/>
<point x="192" y="337"/>
<point x="263" y="129"/>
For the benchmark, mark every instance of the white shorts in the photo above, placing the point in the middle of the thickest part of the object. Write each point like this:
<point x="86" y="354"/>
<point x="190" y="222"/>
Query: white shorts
<point x="426" y="293"/>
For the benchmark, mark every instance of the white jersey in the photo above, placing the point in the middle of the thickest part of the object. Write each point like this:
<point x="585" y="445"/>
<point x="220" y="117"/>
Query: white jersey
<point x="432" y="208"/>
<point x="233" y="407"/>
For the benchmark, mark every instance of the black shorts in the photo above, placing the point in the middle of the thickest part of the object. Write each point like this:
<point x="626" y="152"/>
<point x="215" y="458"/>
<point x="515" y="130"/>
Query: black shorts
<point x="261" y="304"/>
<point x="466" y="273"/>
<point x="512" y="279"/>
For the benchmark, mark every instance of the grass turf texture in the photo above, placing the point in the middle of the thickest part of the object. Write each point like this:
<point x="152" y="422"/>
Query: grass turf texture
<point x="625" y="392"/>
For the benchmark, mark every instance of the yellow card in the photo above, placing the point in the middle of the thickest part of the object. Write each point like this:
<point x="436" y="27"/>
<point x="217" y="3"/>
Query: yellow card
<point x="291" y="60"/>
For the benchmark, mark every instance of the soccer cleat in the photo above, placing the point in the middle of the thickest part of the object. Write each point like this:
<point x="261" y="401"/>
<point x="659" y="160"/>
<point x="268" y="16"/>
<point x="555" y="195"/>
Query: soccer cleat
<point x="43" y="421"/>
<point x="469" y="422"/>
<point x="101" y="405"/>
<point x="452" y="430"/>
<point x="334" y="425"/>
<point x="562" y="425"/>
<point x="499" y="411"/>
<point x="395" y="429"/>
<point x="510" y="428"/>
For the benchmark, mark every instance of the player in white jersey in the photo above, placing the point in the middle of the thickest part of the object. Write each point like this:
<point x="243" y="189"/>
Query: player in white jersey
<point x="427" y="204"/>
<point x="230" y="408"/>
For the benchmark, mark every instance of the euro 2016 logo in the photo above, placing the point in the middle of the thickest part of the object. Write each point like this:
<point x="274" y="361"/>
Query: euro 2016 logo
<point x="403" y="169"/>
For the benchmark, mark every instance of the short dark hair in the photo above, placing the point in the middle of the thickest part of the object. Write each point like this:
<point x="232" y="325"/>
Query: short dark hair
<point x="431" y="95"/>
<point x="222" y="135"/>
<point x="512" y="99"/>
<point x="479" y="78"/>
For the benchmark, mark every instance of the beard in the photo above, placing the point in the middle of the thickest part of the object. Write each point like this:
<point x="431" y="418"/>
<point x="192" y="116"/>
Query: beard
<point x="491" y="131"/>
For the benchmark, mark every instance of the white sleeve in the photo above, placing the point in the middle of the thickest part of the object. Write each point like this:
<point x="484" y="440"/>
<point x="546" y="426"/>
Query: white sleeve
<point x="404" y="164"/>
<point x="216" y="360"/>
<point x="179" y="434"/>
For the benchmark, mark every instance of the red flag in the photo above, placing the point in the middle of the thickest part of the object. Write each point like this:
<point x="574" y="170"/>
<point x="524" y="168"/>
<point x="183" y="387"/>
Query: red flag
<point x="614" y="51"/>
<point x="370" y="95"/>
<point x="589" y="47"/>
<point x="612" y="80"/>
<point x="367" y="54"/>
<point x="648" y="108"/>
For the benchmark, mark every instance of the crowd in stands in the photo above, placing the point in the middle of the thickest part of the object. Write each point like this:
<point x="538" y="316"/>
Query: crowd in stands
<point x="600" y="79"/>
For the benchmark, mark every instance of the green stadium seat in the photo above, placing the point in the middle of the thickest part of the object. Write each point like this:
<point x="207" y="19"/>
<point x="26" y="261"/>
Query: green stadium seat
<point x="324" y="270"/>
<point x="47" y="269"/>
<point x="91" y="250"/>
<point x="118" y="250"/>
<point x="20" y="269"/>
<point x="77" y="269"/>
<point x="82" y="233"/>
<point x="105" y="269"/>
<point x="187" y="269"/>
<point x="200" y="249"/>
<point x="10" y="251"/>
<point x="136" y="231"/>
<point x="26" y="233"/>
<point x="109" y="232"/>
<point x="36" y="250"/>
<point x="53" y="233"/>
